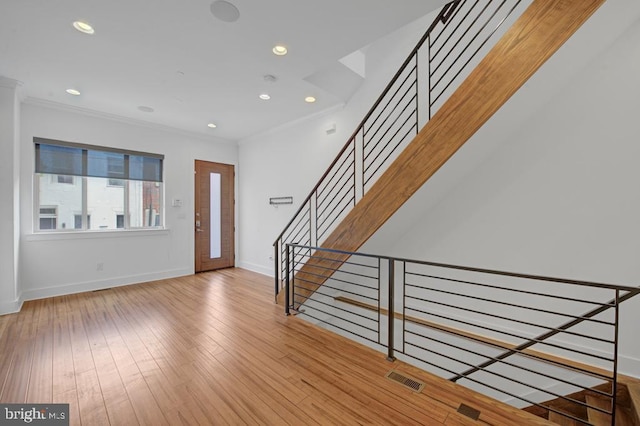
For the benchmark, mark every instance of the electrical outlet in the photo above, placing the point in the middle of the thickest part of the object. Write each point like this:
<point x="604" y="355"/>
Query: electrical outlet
<point x="100" y="267"/>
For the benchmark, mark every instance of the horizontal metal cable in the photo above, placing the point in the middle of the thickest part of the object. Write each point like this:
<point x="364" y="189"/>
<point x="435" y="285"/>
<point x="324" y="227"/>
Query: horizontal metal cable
<point x="502" y="391"/>
<point x="506" y="304"/>
<point x="510" y="363"/>
<point x="538" y="358"/>
<point x="332" y="288"/>
<point x="330" y="277"/>
<point x="506" y="333"/>
<point x="502" y="376"/>
<point x="326" y="268"/>
<point x="342" y="319"/>
<point x="346" y="262"/>
<point x="308" y="301"/>
<point x="515" y="290"/>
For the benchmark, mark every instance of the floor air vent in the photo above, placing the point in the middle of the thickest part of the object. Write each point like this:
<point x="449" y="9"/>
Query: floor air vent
<point x="470" y="412"/>
<point x="413" y="384"/>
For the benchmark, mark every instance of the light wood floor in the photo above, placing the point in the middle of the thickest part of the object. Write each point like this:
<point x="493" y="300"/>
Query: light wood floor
<point x="211" y="349"/>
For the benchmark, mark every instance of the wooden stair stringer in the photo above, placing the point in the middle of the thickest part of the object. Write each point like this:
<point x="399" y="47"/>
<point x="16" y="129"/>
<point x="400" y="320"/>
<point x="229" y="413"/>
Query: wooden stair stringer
<point x="535" y="36"/>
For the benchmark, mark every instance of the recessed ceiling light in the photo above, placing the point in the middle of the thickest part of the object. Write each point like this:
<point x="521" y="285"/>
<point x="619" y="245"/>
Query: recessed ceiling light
<point x="310" y="99"/>
<point x="265" y="97"/>
<point x="225" y="11"/>
<point x="73" y="92"/>
<point x="145" y="108"/>
<point x="83" y="27"/>
<point x="211" y="125"/>
<point x="279" y="50"/>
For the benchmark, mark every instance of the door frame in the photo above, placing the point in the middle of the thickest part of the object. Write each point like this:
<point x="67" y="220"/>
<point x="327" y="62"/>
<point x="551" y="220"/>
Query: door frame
<point x="198" y="260"/>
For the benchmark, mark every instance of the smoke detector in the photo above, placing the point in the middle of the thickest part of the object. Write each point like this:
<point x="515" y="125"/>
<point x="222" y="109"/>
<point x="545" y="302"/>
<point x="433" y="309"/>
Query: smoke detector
<point x="270" y="78"/>
<point x="225" y="11"/>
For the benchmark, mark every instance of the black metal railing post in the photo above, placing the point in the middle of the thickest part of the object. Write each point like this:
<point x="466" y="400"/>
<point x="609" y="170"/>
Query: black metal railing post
<point x="391" y="315"/>
<point x="276" y="261"/>
<point x="614" y="391"/>
<point x="286" y="282"/>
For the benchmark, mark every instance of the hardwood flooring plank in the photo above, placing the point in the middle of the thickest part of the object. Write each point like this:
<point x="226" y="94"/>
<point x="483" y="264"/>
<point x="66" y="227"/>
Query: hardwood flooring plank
<point x="71" y="398"/>
<point x="64" y="379"/>
<point x="90" y="401"/>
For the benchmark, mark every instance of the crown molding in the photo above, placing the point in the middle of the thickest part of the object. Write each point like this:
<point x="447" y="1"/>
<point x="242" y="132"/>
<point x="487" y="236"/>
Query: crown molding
<point x="294" y="123"/>
<point x="121" y="119"/>
<point x="9" y="83"/>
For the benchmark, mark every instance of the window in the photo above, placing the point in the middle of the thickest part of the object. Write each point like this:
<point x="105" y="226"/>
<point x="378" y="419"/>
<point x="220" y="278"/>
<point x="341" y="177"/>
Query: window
<point x="77" y="221"/>
<point x="48" y="217"/>
<point x="64" y="179"/>
<point x="112" y="189"/>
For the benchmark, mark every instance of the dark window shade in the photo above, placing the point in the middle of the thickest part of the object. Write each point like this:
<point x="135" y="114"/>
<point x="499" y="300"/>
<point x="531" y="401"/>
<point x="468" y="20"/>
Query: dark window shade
<point x="63" y="158"/>
<point x="145" y="168"/>
<point x="106" y="164"/>
<point x="58" y="160"/>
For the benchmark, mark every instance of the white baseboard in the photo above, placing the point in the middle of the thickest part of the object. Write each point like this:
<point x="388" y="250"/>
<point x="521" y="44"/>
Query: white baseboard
<point x="42" y="293"/>
<point x="11" y="307"/>
<point x="629" y="366"/>
<point x="256" y="268"/>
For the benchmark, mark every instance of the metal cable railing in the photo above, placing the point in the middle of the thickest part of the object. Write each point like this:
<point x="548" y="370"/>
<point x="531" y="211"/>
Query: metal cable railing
<point x="524" y="339"/>
<point x="455" y="41"/>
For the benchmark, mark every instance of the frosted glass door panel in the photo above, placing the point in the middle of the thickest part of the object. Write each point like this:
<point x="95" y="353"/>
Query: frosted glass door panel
<point x="216" y="213"/>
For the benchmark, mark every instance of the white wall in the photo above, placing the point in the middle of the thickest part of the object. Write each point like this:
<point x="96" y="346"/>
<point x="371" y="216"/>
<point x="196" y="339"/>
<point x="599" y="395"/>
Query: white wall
<point x="558" y="193"/>
<point x="55" y="263"/>
<point x="289" y="161"/>
<point x="9" y="208"/>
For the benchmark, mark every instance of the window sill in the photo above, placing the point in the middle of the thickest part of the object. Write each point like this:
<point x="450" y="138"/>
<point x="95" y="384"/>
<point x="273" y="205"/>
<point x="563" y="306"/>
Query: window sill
<point x="83" y="235"/>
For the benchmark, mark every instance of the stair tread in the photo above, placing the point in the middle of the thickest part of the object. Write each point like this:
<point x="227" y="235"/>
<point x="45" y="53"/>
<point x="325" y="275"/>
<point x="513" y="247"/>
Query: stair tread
<point x="598" y="418"/>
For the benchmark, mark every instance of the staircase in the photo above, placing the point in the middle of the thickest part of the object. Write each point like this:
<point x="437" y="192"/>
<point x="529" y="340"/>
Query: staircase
<point x="627" y="411"/>
<point x="393" y="152"/>
<point x="382" y="165"/>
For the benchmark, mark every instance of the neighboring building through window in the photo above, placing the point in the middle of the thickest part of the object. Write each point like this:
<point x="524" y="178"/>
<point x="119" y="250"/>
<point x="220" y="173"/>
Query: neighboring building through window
<point x="111" y="188"/>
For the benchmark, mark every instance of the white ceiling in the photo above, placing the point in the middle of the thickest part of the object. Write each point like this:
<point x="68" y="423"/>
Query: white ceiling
<point x="190" y="67"/>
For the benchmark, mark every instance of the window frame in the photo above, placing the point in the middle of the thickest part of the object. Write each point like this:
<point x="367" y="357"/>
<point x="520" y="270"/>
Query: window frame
<point x="82" y="180"/>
